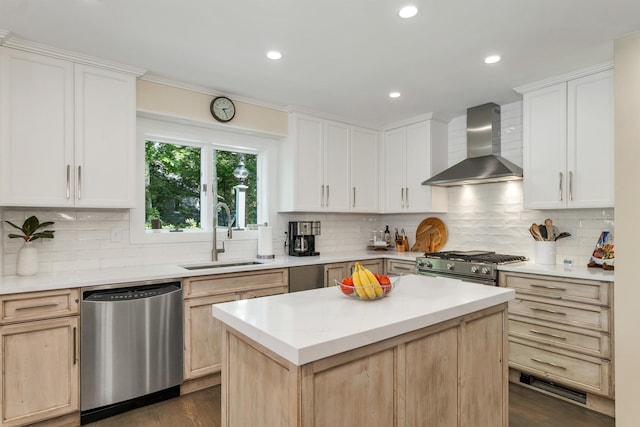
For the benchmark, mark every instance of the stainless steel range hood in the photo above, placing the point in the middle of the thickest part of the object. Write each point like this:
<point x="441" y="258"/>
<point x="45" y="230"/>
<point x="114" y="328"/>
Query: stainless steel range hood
<point x="483" y="163"/>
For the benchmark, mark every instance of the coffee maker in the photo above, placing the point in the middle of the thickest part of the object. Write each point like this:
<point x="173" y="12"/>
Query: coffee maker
<point x="302" y="237"/>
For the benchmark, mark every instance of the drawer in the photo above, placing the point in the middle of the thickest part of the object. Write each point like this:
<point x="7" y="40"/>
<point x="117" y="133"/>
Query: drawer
<point x="234" y="282"/>
<point x="593" y="343"/>
<point x="587" y="291"/>
<point x="579" y="315"/>
<point x="39" y="305"/>
<point x="585" y="373"/>
<point x="397" y="267"/>
<point x="256" y="293"/>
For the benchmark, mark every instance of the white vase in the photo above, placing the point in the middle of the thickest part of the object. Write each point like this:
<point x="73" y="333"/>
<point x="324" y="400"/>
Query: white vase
<point x="27" y="260"/>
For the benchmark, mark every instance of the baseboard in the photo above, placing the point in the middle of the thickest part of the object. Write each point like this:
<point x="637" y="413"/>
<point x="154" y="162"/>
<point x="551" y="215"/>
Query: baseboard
<point x="201" y="383"/>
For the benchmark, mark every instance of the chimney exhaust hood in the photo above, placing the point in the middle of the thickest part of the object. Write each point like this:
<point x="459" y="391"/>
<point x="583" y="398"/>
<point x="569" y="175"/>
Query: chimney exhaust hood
<point x="483" y="163"/>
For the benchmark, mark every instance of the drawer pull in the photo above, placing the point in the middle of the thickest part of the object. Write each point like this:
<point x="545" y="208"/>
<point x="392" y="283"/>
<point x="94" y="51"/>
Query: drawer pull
<point x="556" y="288"/>
<point x="75" y="345"/>
<point x="31" y="307"/>
<point x="546" y="334"/>
<point x="546" y="310"/>
<point x="398" y="267"/>
<point x="555" y="365"/>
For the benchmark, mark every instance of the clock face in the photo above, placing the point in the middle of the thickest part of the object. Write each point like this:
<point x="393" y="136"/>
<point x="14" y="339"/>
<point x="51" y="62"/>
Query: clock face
<point x="222" y="109"/>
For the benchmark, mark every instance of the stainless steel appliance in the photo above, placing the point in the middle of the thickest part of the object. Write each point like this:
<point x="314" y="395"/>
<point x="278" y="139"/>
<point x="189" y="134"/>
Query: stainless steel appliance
<point x="301" y="240"/>
<point x="306" y="277"/>
<point x="471" y="266"/>
<point x="483" y="163"/>
<point x="131" y="345"/>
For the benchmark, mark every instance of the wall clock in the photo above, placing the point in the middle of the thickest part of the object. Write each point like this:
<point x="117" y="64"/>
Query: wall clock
<point x="222" y="109"/>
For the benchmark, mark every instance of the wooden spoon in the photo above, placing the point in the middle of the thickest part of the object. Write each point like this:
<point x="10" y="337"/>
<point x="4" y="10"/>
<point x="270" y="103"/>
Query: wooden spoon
<point x="551" y="229"/>
<point x="535" y="232"/>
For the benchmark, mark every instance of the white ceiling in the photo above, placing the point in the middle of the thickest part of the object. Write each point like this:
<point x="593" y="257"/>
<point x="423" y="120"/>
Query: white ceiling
<point x="340" y="57"/>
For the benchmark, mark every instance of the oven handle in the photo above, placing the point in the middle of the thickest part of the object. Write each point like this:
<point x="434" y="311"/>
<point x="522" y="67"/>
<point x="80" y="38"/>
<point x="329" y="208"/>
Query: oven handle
<point x="487" y="282"/>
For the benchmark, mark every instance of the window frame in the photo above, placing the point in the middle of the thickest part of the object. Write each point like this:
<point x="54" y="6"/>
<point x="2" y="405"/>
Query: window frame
<point x="184" y="132"/>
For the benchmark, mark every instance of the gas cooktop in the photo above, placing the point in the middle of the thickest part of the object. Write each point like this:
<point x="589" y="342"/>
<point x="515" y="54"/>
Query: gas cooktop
<point x="486" y="257"/>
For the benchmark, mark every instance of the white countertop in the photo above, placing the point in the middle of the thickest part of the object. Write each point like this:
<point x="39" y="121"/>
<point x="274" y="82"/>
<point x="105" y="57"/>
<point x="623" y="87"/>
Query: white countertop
<point x="107" y="276"/>
<point x="306" y="326"/>
<point x="576" y="271"/>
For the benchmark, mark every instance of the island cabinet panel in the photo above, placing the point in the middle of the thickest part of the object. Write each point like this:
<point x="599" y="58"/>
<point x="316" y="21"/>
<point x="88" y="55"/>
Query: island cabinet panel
<point x="431" y="380"/>
<point x="356" y="393"/>
<point x="449" y="374"/>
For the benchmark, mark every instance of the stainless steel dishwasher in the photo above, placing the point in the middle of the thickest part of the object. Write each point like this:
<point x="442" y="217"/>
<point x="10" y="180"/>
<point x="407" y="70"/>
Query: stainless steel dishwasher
<point x="131" y="347"/>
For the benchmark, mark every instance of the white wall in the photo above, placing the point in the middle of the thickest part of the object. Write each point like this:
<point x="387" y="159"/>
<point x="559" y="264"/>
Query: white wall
<point x="627" y="176"/>
<point x="488" y="216"/>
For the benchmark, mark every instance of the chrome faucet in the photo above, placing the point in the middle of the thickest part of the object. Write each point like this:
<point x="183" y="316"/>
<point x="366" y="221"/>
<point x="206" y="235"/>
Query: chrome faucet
<point x="215" y="250"/>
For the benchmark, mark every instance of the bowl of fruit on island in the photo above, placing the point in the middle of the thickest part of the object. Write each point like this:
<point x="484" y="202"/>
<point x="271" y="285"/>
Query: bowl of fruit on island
<point x="365" y="285"/>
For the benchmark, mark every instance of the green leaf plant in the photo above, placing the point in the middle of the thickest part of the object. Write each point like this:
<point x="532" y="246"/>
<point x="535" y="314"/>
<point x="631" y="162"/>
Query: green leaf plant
<point x="30" y="229"/>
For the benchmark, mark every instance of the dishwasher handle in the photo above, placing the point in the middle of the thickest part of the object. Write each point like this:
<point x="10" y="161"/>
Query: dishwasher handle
<point x="130" y="293"/>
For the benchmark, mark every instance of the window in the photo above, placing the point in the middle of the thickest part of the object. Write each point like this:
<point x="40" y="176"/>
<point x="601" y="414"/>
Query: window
<point x="175" y="185"/>
<point x="185" y="170"/>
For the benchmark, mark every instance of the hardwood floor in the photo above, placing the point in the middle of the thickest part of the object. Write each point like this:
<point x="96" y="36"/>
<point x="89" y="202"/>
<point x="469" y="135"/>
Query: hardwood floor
<point x="527" y="408"/>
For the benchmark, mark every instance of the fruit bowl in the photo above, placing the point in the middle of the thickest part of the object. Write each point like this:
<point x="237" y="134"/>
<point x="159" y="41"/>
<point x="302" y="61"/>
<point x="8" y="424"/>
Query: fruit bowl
<point x="350" y="290"/>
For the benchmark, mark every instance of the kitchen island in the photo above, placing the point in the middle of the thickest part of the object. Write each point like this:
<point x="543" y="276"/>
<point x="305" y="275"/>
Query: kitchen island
<point x="434" y="352"/>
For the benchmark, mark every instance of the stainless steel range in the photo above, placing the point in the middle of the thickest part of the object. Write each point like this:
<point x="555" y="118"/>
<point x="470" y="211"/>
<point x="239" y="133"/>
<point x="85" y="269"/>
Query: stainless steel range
<point x="471" y="266"/>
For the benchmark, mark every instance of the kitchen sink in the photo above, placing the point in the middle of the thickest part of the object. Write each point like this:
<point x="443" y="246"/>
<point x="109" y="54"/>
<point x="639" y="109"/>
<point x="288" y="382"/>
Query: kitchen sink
<point x="219" y="265"/>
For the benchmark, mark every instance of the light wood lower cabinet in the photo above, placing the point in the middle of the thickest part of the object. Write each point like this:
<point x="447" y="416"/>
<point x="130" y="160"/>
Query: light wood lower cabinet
<point x="398" y="267"/>
<point x="202" y="332"/>
<point x="40" y="358"/>
<point x="450" y="374"/>
<point x="340" y="270"/>
<point x="561" y="332"/>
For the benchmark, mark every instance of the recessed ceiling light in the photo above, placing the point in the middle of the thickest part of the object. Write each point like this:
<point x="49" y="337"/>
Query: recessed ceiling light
<point x="408" y="12"/>
<point x="492" y="59"/>
<point x="274" y="54"/>
<point x="394" y="95"/>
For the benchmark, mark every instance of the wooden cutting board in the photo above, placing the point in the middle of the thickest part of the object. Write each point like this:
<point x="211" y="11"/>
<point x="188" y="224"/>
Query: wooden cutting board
<point x="431" y="235"/>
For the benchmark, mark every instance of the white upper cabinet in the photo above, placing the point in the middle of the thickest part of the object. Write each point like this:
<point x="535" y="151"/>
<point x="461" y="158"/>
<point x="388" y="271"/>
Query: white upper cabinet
<point x="328" y="166"/>
<point x="364" y="170"/>
<point x="568" y="144"/>
<point x="413" y="154"/>
<point x="68" y="133"/>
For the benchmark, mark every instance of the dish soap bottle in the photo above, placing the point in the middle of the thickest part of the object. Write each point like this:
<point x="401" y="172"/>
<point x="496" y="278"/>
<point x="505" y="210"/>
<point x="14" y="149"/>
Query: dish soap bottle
<point x="387" y="236"/>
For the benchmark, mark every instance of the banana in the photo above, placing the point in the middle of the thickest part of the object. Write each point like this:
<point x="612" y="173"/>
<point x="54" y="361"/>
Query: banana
<point x="357" y="284"/>
<point x="374" y="282"/>
<point x="366" y="282"/>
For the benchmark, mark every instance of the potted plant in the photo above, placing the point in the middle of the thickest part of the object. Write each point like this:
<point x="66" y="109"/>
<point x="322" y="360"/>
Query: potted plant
<point x="28" y="255"/>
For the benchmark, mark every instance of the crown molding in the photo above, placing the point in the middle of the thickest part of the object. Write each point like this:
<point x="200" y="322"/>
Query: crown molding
<point x="42" y="49"/>
<point x="438" y="117"/>
<point x="564" y="77"/>
<point x="332" y="117"/>
<point x="4" y="34"/>
<point x="208" y="91"/>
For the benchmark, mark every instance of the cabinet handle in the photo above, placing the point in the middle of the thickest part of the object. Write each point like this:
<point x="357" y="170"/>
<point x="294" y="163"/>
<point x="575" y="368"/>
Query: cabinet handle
<point x="402" y="197"/>
<point x="570" y="185"/>
<point x="68" y="181"/>
<point x="546" y="310"/>
<point x="549" y="363"/>
<point x="32" y="307"/>
<point x="546" y="334"/>
<point x="401" y="268"/>
<point x="560" y="187"/>
<point x="322" y="197"/>
<point x="327" y="201"/>
<point x="79" y="182"/>
<point x="354" y="197"/>
<point x="533" y="285"/>
<point x="75" y="345"/>
<point x="406" y="193"/>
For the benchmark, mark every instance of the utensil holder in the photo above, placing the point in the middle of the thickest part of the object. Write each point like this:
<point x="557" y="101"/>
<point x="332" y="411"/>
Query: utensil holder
<point x="545" y="252"/>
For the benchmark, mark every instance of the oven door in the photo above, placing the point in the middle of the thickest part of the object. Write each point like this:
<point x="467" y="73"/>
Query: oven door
<point x="482" y="281"/>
